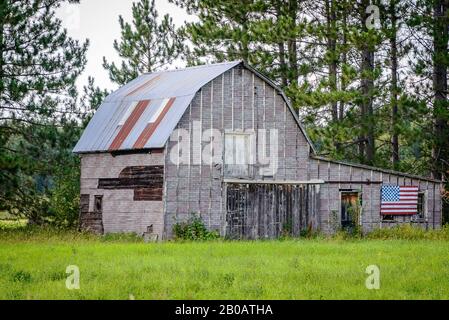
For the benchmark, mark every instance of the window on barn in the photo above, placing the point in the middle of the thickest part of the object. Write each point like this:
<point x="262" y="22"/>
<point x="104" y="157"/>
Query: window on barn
<point x="387" y="217"/>
<point x="421" y="205"/>
<point x="237" y="155"/>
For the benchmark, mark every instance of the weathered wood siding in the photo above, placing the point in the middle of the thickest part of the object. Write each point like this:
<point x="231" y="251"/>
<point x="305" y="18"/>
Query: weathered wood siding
<point x="90" y="220"/>
<point x="136" y="194"/>
<point x="268" y="211"/>
<point x="340" y="176"/>
<point x="119" y="179"/>
<point x="237" y="101"/>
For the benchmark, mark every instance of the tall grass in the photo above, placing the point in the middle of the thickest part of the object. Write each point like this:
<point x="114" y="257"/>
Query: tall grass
<point x="19" y="231"/>
<point x="409" y="232"/>
<point x="33" y="261"/>
<point x="289" y="269"/>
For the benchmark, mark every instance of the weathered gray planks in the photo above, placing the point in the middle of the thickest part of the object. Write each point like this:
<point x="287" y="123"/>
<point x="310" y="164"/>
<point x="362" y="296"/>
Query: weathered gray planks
<point x="258" y="211"/>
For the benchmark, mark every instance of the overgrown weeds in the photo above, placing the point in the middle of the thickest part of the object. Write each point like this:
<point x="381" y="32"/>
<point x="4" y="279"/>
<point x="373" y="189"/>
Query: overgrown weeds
<point x="19" y="230"/>
<point x="193" y="229"/>
<point x="409" y="232"/>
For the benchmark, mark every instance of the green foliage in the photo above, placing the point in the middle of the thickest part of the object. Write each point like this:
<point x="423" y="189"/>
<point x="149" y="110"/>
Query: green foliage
<point x="34" y="268"/>
<point x="334" y="221"/>
<point x="355" y="211"/>
<point x="11" y="224"/>
<point x="22" y="276"/>
<point x="409" y="232"/>
<point x="64" y="196"/>
<point x="90" y="100"/>
<point x="193" y="229"/>
<point x="46" y="188"/>
<point x="19" y="230"/>
<point x="39" y="64"/>
<point x="309" y="233"/>
<point x="147" y="45"/>
<point x="130" y="237"/>
<point x="338" y="72"/>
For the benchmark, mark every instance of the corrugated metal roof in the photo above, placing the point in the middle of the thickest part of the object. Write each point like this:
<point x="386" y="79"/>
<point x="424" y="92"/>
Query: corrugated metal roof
<point x="143" y="113"/>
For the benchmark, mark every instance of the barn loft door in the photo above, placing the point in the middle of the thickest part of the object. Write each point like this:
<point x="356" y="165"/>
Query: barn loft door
<point x="259" y="211"/>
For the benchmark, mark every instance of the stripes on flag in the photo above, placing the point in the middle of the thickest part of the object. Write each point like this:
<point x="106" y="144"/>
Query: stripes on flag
<point x="399" y="200"/>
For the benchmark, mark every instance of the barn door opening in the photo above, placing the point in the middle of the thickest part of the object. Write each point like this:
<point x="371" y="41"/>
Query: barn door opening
<point x="260" y="211"/>
<point x="350" y="209"/>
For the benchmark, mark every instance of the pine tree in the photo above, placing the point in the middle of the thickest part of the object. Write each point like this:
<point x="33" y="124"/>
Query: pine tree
<point x="361" y="93"/>
<point x="146" y="45"/>
<point x="431" y="60"/>
<point x="39" y="64"/>
<point x="91" y="99"/>
<point x="223" y="29"/>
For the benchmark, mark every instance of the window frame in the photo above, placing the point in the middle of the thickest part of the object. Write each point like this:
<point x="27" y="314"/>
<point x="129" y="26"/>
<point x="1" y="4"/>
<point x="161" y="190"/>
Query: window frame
<point x="100" y="198"/>
<point x="388" y="218"/>
<point x="249" y="143"/>
<point x="422" y="216"/>
<point x="360" y="199"/>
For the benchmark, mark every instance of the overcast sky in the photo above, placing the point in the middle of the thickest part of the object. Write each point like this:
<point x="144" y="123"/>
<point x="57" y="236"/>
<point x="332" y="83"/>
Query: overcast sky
<point x="97" y="20"/>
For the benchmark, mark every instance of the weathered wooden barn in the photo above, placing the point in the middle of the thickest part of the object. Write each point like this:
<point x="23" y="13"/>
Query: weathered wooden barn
<point x="222" y="141"/>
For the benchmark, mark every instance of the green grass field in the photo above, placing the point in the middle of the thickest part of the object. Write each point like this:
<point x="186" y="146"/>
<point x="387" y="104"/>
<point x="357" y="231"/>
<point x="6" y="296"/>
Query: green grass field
<point x="33" y="265"/>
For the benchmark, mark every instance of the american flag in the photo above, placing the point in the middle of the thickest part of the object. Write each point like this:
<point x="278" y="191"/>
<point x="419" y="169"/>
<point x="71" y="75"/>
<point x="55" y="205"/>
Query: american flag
<point x="399" y="200"/>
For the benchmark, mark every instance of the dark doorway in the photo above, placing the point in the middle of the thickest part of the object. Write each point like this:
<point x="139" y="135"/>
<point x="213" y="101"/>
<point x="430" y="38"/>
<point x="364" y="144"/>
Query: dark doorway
<point x="350" y="209"/>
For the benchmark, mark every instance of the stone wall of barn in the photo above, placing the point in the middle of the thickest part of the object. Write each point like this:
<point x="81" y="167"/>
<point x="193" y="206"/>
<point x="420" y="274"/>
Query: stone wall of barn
<point x="236" y="101"/>
<point x="340" y="177"/>
<point x="126" y="205"/>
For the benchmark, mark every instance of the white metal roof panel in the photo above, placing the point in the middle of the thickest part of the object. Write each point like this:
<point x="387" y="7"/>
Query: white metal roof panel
<point x="120" y="107"/>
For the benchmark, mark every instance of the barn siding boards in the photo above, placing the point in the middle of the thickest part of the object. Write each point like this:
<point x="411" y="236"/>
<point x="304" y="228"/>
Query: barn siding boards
<point x="268" y="211"/>
<point x="242" y="100"/>
<point x="90" y="219"/>
<point x="146" y="181"/>
<point x="371" y="194"/>
<point x="268" y="109"/>
<point x="224" y="97"/>
<point x="121" y="213"/>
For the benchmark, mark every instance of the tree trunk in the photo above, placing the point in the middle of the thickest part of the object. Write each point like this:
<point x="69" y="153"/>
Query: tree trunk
<point x="344" y="59"/>
<point x="281" y="47"/>
<point x="245" y="42"/>
<point x="440" y="105"/>
<point x="291" y="44"/>
<point x="394" y="86"/>
<point x="331" y="49"/>
<point x="283" y="65"/>
<point x="2" y="19"/>
<point x="367" y="147"/>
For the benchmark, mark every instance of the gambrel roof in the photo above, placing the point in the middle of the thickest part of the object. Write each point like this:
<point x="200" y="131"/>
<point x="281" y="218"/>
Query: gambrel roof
<point x="143" y="113"/>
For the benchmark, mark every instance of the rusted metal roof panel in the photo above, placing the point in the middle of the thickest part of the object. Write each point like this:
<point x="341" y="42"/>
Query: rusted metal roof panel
<point x="143" y="113"/>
